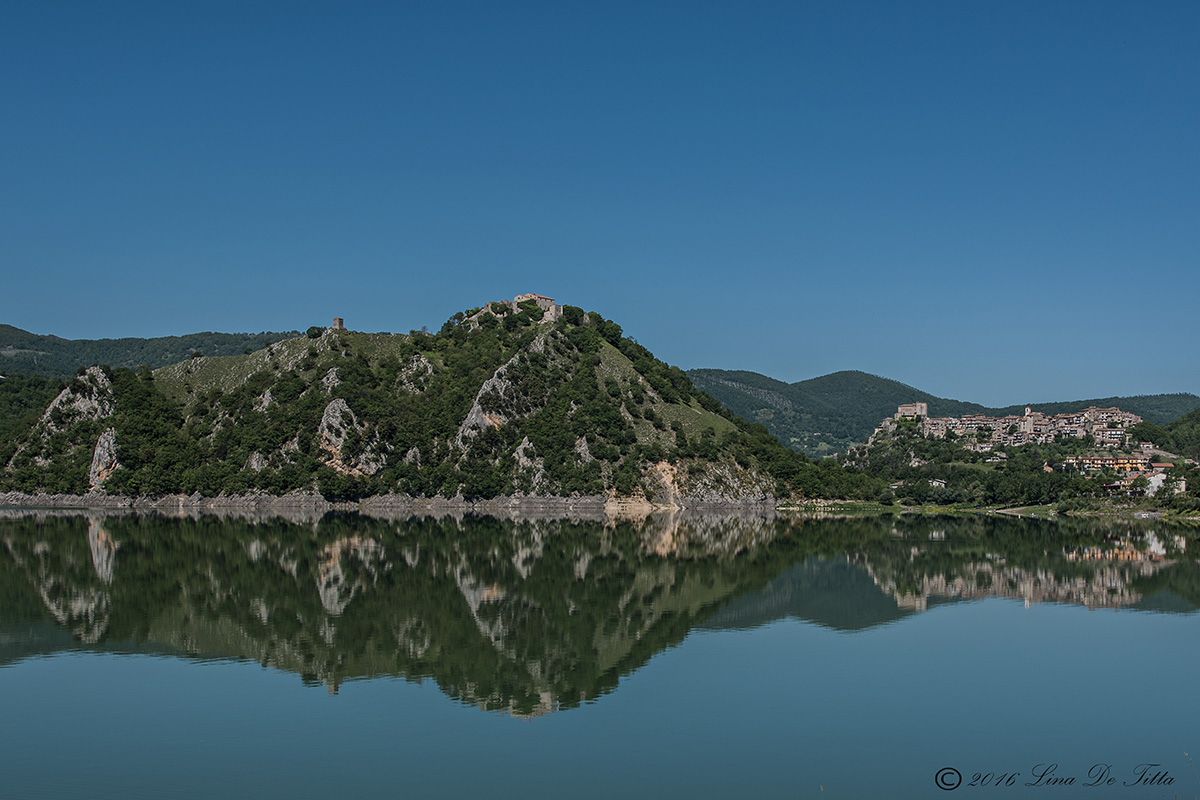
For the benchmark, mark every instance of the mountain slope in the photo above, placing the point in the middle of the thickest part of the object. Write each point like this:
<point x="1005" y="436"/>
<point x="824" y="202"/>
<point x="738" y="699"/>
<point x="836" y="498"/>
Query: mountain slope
<point x="1180" y="436"/>
<point x="508" y="399"/>
<point x="51" y="356"/>
<point x="823" y="415"/>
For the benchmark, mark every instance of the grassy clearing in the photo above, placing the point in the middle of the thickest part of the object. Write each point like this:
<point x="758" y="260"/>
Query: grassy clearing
<point x="694" y="419"/>
<point x="198" y="375"/>
<point x="179" y="381"/>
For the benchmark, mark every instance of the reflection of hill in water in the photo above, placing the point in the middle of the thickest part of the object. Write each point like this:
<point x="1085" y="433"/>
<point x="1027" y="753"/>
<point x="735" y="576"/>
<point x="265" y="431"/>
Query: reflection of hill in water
<point x="520" y="616"/>
<point x="523" y="616"/>
<point x="1164" y="602"/>
<point x="831" y="592"/>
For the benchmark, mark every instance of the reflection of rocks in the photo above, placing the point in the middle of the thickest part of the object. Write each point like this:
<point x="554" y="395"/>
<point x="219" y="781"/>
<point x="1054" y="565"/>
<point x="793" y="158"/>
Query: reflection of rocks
<point x="80" y="608"/>
<point x="82" y="611"/>
<point x="700" y="535"/>
<point x="522" y="617"/>
<point x="334" y="586"/>
<point x="412" y="635"/>
<point x="104" y="550"/>
<point x="482" y="599"/>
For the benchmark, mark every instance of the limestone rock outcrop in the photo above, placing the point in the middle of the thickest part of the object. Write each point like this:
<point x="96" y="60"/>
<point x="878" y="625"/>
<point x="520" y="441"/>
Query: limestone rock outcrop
<point x="104" y="459"/>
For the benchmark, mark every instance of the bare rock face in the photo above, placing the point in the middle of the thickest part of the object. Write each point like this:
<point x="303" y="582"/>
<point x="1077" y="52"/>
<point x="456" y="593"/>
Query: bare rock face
<point x="716" y="484"/>
<point x="336" y="422"/>
<point x="87" y="397"/>
<point x="531" y="464"/>
<point x="330" y="381"/>
<point x="497" y="400"/>
<point x="413" y="376"/>
<point x="104" y="459"/>
<point x="338" y="427"/>
<point x="477" y="418"/>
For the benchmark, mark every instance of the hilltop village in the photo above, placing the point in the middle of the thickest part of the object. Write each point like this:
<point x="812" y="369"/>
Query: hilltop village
<point x="1107" y="428"/>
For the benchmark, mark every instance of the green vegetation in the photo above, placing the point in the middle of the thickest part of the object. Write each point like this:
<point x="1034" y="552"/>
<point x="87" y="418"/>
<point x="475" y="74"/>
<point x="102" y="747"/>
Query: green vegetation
<point x="23" y="398"/>
<point x="921" y="471"/>
<point x="829" y="414"/>
<point x="498" y="402"/>
<point x="561" y="609"/>
<point x="1181" y="436"/>
<point x="50" y="356"/>
<point x="942" y="472"/>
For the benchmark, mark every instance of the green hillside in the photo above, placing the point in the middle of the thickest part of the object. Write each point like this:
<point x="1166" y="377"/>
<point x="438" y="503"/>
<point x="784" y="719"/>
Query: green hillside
<point x="828" y="414"/>
<point x="1181" y="436"/>
<point x="819" y="416"/>
<point x="504" y="400"/>
<point x="22" y="400"/>
<point x="50" y="356"/>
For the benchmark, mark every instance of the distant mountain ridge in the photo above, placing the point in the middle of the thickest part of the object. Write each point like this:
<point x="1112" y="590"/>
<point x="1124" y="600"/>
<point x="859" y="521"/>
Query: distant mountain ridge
<point x="827" y="414"/>
<point x="54" y="357"/>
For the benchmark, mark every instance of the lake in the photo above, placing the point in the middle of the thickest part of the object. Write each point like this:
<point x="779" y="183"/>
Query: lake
<point x="702" y="657"/>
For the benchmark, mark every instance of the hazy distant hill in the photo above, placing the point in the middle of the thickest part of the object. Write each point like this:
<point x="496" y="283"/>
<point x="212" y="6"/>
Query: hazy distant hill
<point x="827" y="414"/>
<point x="51" y="356"/>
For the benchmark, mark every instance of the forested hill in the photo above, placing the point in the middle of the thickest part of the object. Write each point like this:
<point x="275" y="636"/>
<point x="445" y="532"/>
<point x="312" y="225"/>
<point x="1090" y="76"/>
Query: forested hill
<point x="823" y="415"/>
<point x="50" y="356"/>
<point x="508" y="399"/>
<point x="1180" y="436"/>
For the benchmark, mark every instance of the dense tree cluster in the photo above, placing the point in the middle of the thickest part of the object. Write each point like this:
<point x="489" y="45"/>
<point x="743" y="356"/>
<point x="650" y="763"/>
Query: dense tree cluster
<point x="23" y="398"/>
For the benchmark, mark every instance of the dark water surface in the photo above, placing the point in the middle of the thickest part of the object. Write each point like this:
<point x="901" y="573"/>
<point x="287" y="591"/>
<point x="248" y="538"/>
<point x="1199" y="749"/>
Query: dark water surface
<point x="703" y="657"/>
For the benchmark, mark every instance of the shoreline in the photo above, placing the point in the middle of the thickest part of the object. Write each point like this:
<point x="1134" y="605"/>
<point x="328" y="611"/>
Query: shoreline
<point x="594" y="507"/>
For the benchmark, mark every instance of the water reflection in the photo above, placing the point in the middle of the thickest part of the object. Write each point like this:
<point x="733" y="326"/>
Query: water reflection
<point x="536" y="615"/>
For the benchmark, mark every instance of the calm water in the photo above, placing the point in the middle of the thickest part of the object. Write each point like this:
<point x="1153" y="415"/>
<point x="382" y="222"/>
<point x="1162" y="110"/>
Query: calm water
<point x="711" y="657"/>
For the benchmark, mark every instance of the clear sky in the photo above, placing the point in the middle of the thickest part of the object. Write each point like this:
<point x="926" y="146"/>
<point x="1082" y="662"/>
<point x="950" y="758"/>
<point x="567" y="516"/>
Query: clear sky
<point x="991" y="201"/>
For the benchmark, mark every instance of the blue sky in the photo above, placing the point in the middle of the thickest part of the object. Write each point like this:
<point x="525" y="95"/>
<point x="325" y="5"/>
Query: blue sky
<point x="996" y="202"/>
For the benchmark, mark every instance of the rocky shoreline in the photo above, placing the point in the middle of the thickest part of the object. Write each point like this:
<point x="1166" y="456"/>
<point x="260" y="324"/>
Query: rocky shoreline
<point x="392" y="505"/>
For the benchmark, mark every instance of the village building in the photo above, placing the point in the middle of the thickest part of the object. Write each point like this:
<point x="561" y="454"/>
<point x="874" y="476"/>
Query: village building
<point x="546" y="304"/>
<point x="912" y="411"/>
<point x="1107" y="426"/>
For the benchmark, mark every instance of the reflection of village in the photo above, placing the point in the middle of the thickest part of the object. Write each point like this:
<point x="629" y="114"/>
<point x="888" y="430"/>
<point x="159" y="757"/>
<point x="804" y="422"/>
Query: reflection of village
<point x="1107" y="427"/>
<point x="1115" y="563"/>
<point x="521" y="617"/>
